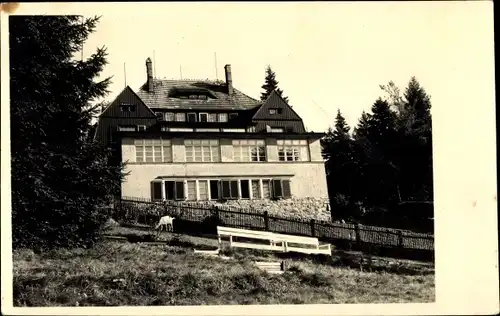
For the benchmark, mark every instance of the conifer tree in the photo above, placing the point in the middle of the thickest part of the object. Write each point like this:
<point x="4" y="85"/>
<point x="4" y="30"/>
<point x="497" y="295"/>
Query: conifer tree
<point x="60" y="177"/>
<point x="270" y="85"/>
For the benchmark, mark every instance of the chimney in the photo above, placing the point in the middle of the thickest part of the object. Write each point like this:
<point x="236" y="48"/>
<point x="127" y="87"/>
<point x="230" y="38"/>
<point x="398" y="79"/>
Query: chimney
<point x="229" y="79"/>
<point x="149" y="71"/>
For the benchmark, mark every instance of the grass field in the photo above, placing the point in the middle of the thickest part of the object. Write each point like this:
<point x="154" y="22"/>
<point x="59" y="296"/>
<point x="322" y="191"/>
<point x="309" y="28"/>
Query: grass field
<point x="120" y="273"/>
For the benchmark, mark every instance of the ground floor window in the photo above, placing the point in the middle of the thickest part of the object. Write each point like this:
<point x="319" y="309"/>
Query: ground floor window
<point x="217" y="189"/>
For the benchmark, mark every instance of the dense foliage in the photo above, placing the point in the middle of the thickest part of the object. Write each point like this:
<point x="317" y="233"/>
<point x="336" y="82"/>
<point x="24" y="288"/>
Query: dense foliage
<point x="270" y="85"/>
<point x="60" y="176"/>
<point x="385" y="163"/>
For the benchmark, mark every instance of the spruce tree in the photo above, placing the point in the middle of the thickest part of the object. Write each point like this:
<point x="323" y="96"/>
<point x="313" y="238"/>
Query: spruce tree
<point x="270" y="85"/>
<point x="60" y="177"/>
<point x="340" y="166"/>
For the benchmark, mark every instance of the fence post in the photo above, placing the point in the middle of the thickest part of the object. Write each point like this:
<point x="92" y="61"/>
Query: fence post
<point x="400" y="239"/>
<point x="358" y="234"/>
<point x="313" y="227"/>
<point x="216" y="215"/>
<point x="266" y="221"/>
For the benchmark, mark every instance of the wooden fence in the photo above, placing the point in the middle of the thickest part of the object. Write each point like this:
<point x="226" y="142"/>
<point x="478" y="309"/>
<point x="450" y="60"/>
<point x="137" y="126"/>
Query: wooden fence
<point x="203" y="218"/>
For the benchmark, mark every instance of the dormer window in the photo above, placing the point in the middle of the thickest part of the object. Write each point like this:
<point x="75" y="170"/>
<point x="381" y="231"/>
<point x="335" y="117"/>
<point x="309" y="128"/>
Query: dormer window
<point x="124" y="107"/>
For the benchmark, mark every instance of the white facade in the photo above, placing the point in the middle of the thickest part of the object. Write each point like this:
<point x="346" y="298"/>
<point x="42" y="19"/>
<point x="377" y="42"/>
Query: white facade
<point x="249" y="164"/>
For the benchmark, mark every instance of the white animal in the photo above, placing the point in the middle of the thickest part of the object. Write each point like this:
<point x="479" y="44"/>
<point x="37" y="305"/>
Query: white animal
<point x="165" y="221"/>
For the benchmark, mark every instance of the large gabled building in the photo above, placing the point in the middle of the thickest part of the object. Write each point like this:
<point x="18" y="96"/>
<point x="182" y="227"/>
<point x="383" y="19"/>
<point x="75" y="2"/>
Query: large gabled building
<point x="206" y="140"/>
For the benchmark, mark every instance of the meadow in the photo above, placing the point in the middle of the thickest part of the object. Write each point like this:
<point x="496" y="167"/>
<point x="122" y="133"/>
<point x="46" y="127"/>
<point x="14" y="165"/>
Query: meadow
<point x="116" y="273"/>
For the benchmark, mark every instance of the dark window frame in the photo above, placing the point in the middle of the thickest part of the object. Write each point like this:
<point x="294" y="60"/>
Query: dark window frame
<point x="192" y="114"/>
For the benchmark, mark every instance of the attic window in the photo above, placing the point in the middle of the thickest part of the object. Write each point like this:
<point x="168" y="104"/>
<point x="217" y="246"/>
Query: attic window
<point x="203" y="117"/>
<point x="124" y="107"/>
<point x="222" y="117"/>
<point x="191" y="117"/>
<point x="197" y="97"/>
<point x="273" y="111"/>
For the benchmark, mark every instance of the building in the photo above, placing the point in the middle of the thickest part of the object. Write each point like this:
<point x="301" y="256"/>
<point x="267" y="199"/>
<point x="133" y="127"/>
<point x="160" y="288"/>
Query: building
<point x="206" y="140"/>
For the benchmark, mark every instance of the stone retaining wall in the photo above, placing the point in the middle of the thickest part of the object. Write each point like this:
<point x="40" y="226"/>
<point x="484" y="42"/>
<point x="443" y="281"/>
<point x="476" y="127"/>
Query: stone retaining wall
<point x="299" y="208"/>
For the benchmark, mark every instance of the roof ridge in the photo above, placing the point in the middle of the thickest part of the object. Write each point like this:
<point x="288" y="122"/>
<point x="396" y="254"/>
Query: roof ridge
<point x="192" y="80"/>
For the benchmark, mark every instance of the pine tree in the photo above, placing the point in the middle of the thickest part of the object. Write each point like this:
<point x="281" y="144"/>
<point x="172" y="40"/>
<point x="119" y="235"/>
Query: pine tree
<point x="361" y="130"/>
<point x="270" y="85"/>
<point x="60" y="177"/>
<point x="340" y="165"/>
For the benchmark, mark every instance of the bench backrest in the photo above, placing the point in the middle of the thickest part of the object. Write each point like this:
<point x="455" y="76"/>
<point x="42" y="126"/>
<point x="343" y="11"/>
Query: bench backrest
<point x="297" y="239"/>
<point x="266" y="235"/>
<point x="237" y="232"/>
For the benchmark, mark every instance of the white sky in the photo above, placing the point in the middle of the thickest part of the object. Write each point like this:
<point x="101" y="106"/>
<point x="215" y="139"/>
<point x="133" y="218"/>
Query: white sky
<point x="326" y="55"/>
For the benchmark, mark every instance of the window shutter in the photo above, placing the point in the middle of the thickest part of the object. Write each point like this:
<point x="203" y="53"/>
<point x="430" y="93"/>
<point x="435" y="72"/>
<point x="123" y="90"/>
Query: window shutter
<point x="277" y="190"/>
<point x="287" y="191"/>
<point x="226" y="190"/>
<point x="179" y="190"/>
<point x="156" y="190"/>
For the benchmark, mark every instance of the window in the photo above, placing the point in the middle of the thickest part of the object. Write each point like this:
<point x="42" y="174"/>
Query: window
<point x="202" y="97"/>
<point x="212" y="117"/>
<point x="234" y="130"/>
<point x="266" y="189"/>
<point x="222" y="117"/>
<point x="180" y="129"/>
<point x="169" y="117"/>
<point x="203" y="190"/>
<point x="245" y="189"/>
<point x="191" y="117"/>
<point x="281" y="188"/>
<point x="202" y="150"/>
<point x="124" y="107"/>
<point x="229" y="189"/>
<point x="174" y="190"/>
<point x="249" y="150"/>
<point x="193" y="96"/>
<point x="203" y="117"/>
<point x="293" y="150"/>
<point x="273" y="111"/>
<point x="232" y="116"/>
<point x="122" y="128"/>
<point x="141" y="128"/>
<point x="191" y="190"/>
<point x="153" y="150"/>
<point x="256" y="189"/>
<point x="159" y="114"/>
<point x="180" y="117"/>
<point x="214" y="190"/>
<point x="276" y="130"/>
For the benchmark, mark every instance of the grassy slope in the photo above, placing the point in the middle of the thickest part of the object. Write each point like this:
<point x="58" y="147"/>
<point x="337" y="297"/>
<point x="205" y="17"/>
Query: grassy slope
<point x="117" y="273"/>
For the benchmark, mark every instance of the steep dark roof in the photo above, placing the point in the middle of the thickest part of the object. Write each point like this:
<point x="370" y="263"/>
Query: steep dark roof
<point x="276" y="101"/>
<point x="161" y="98"/>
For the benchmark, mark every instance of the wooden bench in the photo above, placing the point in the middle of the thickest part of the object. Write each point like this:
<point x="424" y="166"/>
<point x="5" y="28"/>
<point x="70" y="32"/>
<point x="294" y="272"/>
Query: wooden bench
<point x="276" y="242"/>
